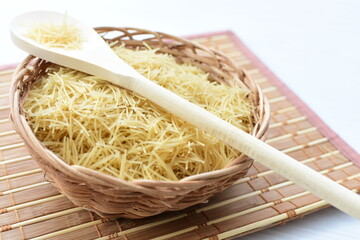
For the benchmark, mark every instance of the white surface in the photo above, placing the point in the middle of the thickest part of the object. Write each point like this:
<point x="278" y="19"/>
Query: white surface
<point x="305" y="43"/>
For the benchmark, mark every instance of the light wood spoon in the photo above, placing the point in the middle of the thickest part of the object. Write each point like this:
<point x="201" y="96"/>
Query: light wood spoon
<point x="96" y="58"/>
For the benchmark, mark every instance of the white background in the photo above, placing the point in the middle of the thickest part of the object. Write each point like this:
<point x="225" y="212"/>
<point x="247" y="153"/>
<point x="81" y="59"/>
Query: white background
<point x="312" y="46"/>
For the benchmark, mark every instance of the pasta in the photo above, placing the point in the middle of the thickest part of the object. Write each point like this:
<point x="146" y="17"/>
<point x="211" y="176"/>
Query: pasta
<point x="52" y="35"/>
<point x="87" y="121"/>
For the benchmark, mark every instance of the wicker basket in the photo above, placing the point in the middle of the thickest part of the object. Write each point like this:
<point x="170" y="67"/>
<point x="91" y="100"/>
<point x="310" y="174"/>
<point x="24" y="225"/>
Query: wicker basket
<point x="108" y="196"/>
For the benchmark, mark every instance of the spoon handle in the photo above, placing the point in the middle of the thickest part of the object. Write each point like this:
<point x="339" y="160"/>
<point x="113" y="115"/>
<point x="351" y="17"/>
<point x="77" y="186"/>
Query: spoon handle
<point x="323" y="187"/>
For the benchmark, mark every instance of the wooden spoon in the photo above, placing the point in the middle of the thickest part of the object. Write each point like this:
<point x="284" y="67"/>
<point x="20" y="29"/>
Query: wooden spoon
<point x="96" y="58"/>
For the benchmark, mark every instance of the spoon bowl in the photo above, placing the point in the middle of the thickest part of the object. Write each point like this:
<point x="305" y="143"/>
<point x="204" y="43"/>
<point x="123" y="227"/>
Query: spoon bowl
<point x="94" y="57"/>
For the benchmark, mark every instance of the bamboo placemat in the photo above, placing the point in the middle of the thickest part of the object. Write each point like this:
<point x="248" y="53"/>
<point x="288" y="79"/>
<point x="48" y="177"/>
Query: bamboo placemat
<point x="31" y="208"/>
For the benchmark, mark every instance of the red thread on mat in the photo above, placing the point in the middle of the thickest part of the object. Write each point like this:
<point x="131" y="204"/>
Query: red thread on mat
<point x="113" y="235"/>
<point x="3" y="210"/>
<point x="105" y="220"/>
<point x="191" y="212"/>
<point x="253" y="177"/>
<point x="291" y="214"/>
<point x="5" y="228"/>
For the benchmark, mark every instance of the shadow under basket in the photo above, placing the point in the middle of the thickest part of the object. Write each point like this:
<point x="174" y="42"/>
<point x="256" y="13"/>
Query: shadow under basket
<point x="111" y="197"/>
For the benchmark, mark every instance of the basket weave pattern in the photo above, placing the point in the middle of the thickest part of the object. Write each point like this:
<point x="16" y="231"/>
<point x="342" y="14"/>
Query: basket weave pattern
<point x="111" y="197"/>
